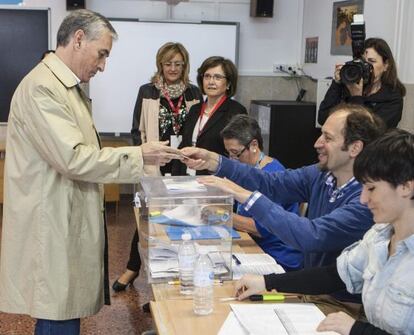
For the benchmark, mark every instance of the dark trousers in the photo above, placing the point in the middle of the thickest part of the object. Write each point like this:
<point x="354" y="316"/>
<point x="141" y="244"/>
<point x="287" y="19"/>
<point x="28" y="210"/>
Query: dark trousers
<point x="53" y="327"/>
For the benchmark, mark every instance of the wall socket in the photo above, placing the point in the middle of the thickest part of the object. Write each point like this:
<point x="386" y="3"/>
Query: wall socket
<point x="286" y="68"/>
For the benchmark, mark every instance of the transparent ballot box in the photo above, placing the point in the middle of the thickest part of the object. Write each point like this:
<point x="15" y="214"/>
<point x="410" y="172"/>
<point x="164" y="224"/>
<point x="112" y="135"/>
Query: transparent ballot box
<point x="172" y="206"/>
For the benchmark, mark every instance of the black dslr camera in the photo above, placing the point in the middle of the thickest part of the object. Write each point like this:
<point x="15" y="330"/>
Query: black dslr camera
<point x="358" y="68"/>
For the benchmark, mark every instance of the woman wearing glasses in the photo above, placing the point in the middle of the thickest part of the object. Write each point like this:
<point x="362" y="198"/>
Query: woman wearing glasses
<point x="217" y="79"/>
<point x="160" y="111"/>
<point x="243" y="141"/>
<point x="163" y="104"/>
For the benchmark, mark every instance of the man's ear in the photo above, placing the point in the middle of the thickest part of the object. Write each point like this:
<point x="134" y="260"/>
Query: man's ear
<point x="356" y="148"/>
<point x="78" y="37"/>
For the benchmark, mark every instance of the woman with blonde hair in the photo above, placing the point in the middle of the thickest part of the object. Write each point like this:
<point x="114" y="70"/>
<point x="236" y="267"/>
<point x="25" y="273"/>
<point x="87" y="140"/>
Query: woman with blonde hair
<point x="163" y="104"/>
<point x="159" y="114"/>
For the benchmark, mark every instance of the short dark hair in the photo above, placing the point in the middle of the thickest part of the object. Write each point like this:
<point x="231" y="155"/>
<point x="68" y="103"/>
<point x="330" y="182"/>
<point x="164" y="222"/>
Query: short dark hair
<point x="389" y="158"/>
<point x="93" y="24"/>
<point x="360" y="124"/>
<point x="244" y="129"/>
<point x="230" y="71"/>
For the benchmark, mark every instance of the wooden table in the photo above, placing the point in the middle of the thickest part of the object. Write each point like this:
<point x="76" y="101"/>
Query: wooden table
<point x="175" y="316"/>
<point x="173" y="313"/>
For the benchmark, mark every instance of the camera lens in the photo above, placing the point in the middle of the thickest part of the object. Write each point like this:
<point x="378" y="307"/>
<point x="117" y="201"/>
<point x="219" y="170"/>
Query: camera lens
<point x="351" y="73"/>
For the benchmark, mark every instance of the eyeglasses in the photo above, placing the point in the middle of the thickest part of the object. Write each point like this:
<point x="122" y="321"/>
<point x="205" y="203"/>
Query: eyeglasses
<point x="236" y="155"/>
<point x="215" y="77"/>
<point x="173" y="64"/>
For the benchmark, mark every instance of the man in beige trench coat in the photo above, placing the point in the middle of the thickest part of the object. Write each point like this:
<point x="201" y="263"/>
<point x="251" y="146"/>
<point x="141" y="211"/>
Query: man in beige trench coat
<point x="53" y="239"/>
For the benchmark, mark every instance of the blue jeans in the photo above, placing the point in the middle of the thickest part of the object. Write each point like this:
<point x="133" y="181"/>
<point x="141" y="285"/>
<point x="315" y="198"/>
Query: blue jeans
<point x="52" y="327"/>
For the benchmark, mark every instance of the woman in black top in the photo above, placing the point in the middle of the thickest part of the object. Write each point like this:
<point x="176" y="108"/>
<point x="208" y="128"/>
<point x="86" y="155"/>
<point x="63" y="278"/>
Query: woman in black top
<point x="217" y="79"/>
<point x="159" y="114"/>
<point x="384" y="96"/>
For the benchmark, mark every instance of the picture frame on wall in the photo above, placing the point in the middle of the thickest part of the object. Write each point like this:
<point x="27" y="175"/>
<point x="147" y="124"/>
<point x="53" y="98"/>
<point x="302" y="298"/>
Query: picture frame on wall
<point x="311" y="49"/>
<point x="342" y="16"/>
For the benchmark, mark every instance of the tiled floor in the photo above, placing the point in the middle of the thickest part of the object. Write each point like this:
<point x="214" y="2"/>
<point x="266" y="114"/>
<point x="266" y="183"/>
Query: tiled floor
<point x="125" y="315"/>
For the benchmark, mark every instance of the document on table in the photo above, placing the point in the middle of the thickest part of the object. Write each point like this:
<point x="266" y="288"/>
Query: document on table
<point x="284" y="318"/>
<point x="260" y="264"/>
<point x="232" y="326"/>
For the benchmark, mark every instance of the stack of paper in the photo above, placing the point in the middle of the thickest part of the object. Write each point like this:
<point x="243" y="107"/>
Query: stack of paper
<point x="163" y="260"/>
<point x="284" y="318"/>
<point x="260" y="264"/>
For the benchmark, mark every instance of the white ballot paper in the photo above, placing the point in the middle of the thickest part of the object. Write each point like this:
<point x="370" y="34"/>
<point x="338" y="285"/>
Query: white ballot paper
<point x="190" y="215"/>
<point x="260" y="264"/>
<point x="283" y="319"/>
<point x="173" y="186"/>
<point x="232" y="326"/>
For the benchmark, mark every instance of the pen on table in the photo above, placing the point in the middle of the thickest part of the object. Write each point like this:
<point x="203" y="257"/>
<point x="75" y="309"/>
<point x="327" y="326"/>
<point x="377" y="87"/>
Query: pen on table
<point x="236" y="259"/>
<point x="177" y="282"/>
<point x="259" y="297"/>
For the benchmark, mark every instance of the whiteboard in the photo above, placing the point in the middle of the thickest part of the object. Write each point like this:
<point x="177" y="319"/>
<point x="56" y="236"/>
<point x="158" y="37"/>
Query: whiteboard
<point x="132" y="63"/>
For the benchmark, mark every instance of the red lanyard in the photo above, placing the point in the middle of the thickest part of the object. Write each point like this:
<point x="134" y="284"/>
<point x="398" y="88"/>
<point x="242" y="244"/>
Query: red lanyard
<point x="175" y="109"/>
<point x="203" y="108"/>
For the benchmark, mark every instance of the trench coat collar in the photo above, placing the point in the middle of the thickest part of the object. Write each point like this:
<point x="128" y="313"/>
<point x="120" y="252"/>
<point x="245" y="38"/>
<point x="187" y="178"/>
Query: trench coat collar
<point x="60" y="70"/>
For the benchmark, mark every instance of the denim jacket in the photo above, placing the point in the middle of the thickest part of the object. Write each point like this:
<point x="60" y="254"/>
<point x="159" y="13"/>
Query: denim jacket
<point x="386" y="283"/>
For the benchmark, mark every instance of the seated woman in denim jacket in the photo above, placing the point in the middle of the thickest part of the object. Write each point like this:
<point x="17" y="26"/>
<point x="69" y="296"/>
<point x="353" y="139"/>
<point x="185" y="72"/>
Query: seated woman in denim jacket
<point x="381" y="266"/>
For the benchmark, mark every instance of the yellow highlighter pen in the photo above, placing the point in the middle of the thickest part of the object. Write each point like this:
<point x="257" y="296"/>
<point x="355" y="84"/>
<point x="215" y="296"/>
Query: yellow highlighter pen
<point x="267" y="297"/>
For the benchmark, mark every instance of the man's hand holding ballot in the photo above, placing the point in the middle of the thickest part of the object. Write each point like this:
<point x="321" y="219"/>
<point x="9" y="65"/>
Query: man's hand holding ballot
<point x="159" y="153"/>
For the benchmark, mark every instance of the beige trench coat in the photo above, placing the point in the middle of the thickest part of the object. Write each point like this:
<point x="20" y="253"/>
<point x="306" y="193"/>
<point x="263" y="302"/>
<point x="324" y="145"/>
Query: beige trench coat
<point x="51" y="261"/>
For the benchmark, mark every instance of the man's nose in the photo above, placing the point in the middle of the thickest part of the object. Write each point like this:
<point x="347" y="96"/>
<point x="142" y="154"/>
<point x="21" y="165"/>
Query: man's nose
<point x="101" y="65"/>
<point x="319" y="142"/>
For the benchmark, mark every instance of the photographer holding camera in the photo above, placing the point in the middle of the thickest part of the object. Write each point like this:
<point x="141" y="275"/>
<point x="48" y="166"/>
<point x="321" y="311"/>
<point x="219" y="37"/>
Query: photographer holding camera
<point x="370" y="79"/>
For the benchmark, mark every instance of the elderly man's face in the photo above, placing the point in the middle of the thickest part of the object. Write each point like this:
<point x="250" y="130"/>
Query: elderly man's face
<point x="93" y="54"/>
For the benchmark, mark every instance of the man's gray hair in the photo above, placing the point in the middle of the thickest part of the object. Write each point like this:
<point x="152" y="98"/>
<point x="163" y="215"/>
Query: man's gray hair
<point x="92" y="24"/>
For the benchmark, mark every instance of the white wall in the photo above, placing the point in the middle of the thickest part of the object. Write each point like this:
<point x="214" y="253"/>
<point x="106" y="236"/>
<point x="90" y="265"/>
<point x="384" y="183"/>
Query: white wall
<point x="380" y="21"/>
<point x="404" y="40"/>
<point x="392" y="20"/>
<point x="263" y="41"/>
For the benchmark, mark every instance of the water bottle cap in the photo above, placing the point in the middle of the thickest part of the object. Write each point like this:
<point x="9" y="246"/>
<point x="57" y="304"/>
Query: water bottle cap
<point x="186" y="237"/>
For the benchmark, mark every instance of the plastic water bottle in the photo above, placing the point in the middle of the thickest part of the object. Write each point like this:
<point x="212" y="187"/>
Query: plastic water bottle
<point x="203" y="285"/>
<point x="187" y="255"/>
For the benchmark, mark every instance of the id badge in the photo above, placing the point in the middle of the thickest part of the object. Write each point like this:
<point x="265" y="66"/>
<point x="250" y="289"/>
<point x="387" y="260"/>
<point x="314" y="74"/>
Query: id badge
<point x="175" y="141"/>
